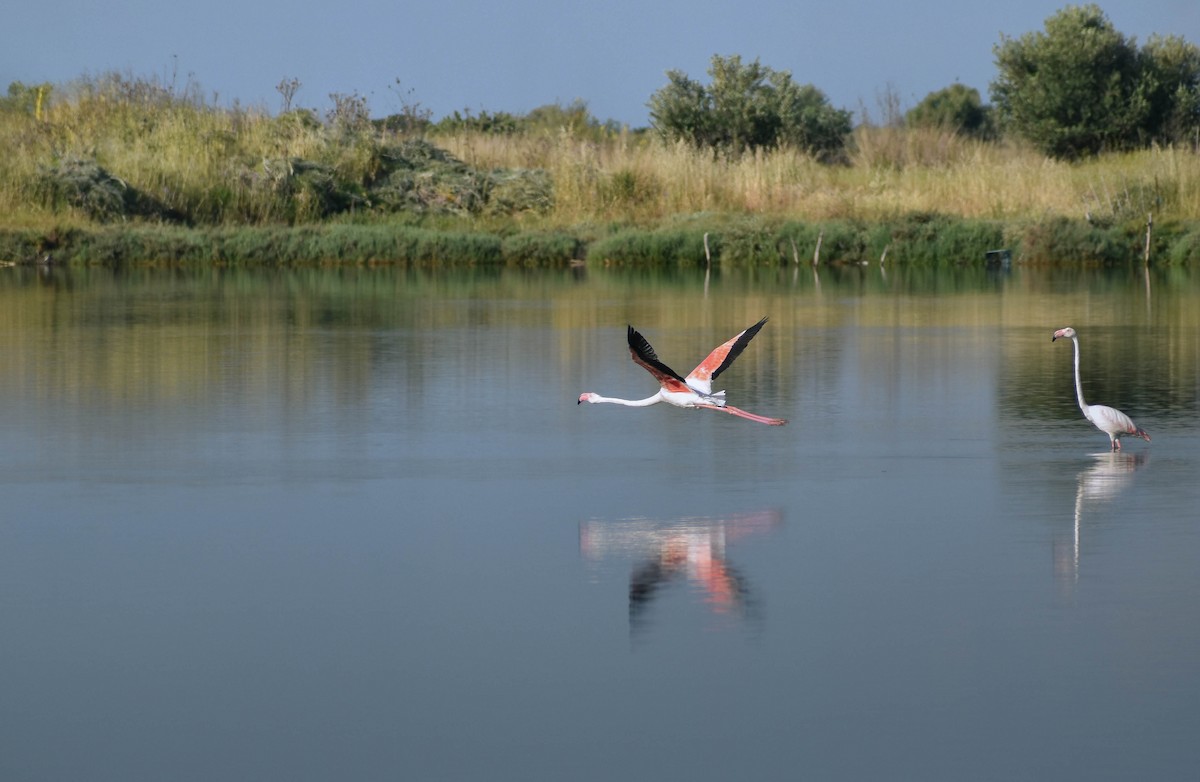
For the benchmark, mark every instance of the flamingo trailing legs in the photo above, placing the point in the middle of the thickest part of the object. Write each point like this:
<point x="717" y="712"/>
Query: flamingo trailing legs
<point x="695" y="390"/>
<point x="1109" y="420"/>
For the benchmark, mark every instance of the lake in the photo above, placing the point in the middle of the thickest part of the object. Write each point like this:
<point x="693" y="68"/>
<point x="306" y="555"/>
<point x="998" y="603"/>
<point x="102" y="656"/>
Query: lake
<point x="350" y="523"/>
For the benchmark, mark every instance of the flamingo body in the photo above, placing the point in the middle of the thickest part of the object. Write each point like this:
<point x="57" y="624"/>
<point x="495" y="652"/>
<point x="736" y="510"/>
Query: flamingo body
<point x="693" y="391"/>
<point x="1107" y="419"/>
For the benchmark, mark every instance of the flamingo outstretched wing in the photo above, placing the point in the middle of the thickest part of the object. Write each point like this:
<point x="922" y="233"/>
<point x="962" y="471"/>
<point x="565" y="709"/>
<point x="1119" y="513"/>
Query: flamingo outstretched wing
<point x="644" y="356"/>
<point x="720" y="359"/>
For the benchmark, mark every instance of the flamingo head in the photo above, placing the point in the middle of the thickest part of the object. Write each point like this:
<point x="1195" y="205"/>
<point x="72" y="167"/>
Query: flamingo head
<point x="1067" y="333"/>
<point x="588" y="397"/>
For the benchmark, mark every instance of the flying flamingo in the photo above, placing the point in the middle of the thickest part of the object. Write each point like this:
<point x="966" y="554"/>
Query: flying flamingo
<point x="1109" y="420"/>
<point x="696" y="389"/>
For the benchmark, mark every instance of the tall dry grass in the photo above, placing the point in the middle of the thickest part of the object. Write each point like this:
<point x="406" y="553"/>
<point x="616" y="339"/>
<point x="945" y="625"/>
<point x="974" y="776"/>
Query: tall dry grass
<point x="889" y="172"/>
<point x="217" y="165"/>
<point x="197" y="159"/>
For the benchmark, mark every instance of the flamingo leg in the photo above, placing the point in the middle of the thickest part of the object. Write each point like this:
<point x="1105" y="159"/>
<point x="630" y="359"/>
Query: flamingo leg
<point x="762" y="419"/>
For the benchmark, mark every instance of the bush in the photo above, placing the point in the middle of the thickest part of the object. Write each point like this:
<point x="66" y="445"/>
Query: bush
<point x="1062" y="240"/>
<point x="936" y="239"/>
<point x="1185" y="248"/>
<point x="666" y="248"/>
<point x="519" y="190"/>
<point x="84" y="185"/>
<point x="551" y="249"/>
<point x="1082" y="87"/>
<point x="747" y="107"/>
<point x="957" y="108"/>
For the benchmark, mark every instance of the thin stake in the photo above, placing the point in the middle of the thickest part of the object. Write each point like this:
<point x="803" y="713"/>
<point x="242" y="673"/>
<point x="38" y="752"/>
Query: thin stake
<point x="1149" y="226"/>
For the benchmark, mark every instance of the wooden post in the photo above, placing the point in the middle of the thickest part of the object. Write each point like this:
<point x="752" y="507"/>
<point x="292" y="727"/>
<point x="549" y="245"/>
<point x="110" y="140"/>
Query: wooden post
<point x="1149" y="226"/>
<point x="817" y="252"/>
<point x="707" y="255"/>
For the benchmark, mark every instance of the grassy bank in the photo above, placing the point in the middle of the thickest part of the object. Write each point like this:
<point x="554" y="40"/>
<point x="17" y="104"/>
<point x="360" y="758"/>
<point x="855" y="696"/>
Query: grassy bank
<point x="119" y="170"/>
<point x="741" y="240"/>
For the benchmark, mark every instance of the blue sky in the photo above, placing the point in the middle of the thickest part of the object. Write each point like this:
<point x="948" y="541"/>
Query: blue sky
<point x="517" y="55"/>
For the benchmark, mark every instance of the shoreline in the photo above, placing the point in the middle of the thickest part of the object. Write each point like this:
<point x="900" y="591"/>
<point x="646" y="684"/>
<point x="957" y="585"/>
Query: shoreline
<point x="728" y="240"/>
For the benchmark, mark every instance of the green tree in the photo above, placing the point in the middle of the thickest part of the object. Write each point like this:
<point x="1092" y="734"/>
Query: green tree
<point x="747" y="106"/>
<point x="957" y="108"/>
<point x="1171" y="73"/>
<point x="1075" y="89"/>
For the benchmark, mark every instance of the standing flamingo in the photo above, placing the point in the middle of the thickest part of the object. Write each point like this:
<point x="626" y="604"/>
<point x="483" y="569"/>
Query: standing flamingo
<point x="1109" y="420"/>
<point x="696" y="389"/>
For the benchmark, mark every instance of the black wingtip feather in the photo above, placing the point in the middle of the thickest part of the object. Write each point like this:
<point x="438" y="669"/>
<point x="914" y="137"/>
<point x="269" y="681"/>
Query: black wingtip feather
<point x="642" y="348"/>
<point x="739" y="346"/>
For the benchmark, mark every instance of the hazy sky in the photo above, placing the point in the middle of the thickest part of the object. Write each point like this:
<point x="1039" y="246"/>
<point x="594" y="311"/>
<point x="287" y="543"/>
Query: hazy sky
<point x="514" y="56"/>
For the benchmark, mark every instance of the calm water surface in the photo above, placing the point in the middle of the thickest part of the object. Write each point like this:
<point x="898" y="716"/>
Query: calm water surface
<point x="351" y="524"/>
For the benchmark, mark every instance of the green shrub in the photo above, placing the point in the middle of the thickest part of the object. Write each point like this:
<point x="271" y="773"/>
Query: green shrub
<point x="665" y="248"/>
<point x="1185" y="247"/>
<point x="530" y="249"/>
<point x="937" y="239"/>
<point x="1081" y="87"/>
<point x="745" y="107"/>
<point x="957" y="108"/>
<point x="84" y="185"/>
<point x="1062" y="240"/>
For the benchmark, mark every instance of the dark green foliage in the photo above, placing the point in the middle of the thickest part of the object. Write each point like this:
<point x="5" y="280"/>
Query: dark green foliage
<point x="747" y="106"/>
<point x="308" y="190"/>
<point x="500" y="123"/>
<point x="573" y="120"/>
<point x="272" y="246"/>
<point x="841" y="241"/>
<point x="86" y="186"/>
<point x="1184" y="247"/>
<point x="752" y="242"/>
<point x="417" y="176"/>
<point x="918" y="241"/>
<point x="937" y="239"/>
<point x="553" y="119"/>
<point x="28" y="246"/>
<point x="519" y="190"/>
<point x="541" y="250"/>
<point x="662" y="248"/>
<point x="1062" y="240"/>
<point x="408" y="177"/>
<point x="957" y="108"/>
<point x="1171" y="72"/>
<point x="1081" y="87"/>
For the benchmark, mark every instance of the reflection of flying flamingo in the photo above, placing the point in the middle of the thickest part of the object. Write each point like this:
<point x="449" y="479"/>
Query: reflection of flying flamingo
<point x="1109" y="420"/>
<point x="696" y="389"/>
<point x="688" y="549"/>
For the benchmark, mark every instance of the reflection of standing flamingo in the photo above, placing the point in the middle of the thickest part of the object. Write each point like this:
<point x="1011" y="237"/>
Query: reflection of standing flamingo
<point x="1096" y="487"/>
<point x="696" y="389"/>
<point x="1109" y="420"/>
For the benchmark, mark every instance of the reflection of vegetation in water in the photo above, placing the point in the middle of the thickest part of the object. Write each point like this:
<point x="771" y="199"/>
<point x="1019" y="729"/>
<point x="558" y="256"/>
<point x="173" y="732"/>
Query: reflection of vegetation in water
<point x="119" y="335"/>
